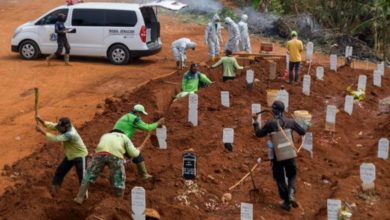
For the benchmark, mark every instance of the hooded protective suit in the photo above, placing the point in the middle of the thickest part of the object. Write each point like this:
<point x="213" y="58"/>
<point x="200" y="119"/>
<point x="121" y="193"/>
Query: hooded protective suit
<point x="179" y="48"/>
<point x="213" y="36"/>
<point x="234" y="35"/>
<point x="245" y="41"/>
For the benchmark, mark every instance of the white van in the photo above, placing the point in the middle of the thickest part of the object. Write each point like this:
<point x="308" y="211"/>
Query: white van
<point x="118" y="31"/>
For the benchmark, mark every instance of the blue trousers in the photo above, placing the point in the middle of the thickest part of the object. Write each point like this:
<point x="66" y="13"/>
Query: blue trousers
<point x="291" y="67"/>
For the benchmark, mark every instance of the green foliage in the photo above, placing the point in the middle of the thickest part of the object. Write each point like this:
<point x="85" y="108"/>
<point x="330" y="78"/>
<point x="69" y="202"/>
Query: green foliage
<point x="227" y="12"/>
<point x="276" y="6"/>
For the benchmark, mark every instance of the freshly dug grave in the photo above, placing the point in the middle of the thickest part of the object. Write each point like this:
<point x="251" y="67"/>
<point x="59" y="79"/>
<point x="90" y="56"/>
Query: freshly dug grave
<point x="333" y="172"/>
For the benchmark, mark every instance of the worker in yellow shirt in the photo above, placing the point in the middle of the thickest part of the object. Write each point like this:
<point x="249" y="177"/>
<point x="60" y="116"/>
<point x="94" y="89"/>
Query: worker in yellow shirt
<point x="294" y="49"/>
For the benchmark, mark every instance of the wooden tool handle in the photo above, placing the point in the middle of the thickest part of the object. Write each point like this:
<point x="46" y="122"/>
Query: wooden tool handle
<point x="36" y="92"/>
<point x="145" y="141"/>
<point x="243" y="178"/>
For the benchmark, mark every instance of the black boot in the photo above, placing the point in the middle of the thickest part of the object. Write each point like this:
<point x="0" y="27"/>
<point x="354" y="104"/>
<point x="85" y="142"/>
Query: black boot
<point x="291" y="198"/>
<point x="285" y="205"/>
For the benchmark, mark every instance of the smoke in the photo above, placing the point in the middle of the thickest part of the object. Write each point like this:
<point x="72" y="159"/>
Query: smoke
<point x="259" y="23"/>
<point x="202" y="6"/>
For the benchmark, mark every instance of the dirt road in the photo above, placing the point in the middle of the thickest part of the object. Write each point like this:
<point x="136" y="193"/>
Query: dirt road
<point x="65" y="91"/>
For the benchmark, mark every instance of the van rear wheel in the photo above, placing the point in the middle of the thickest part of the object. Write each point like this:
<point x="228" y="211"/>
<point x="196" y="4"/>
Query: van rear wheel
<point x="29" y="50"/>
<point x="119" y="55"/>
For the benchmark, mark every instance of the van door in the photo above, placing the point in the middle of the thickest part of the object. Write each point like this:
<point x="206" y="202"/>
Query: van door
<point x="47" y="41"/>
<point x="120" y="27"/>
<point x="88" y="37"/>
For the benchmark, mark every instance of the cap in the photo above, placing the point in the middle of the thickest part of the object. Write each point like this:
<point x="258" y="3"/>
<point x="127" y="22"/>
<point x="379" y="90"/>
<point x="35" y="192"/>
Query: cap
<point x="294" y="34"/>
<point x="278" y="106"/>
<point x="140" y="108"/>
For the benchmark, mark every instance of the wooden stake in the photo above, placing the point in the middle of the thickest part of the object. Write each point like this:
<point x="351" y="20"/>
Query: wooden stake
<point x="243" y="178"/>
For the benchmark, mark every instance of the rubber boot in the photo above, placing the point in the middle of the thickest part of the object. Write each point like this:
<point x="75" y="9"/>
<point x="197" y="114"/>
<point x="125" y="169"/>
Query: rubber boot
<point x="119" y="192"/>
<point x="285" y="205"/>
<point x="142" y="171"/>
<point x="82" y="193"/>
<point x="292" y="199"/>
<point x="184" y="64"/>
<point x="49" y="58"/>
<point x="66" y="58"/>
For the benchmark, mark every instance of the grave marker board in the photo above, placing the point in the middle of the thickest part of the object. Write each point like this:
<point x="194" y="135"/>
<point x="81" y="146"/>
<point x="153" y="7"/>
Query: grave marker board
<point x="161" y="134"/>
<point x="138" y="203"/>
<point x="320" y="73"/>
<point x="250" y="76"/>
<point x="228" y="135"/>
<point x="348" y="104"/>
<point x="287" y="61"/>
<point x="367" y="173"/>
<point x="362" y="82"/>
<point x="272" y="70"/>
<point x="348" y="51"/>
<point x="246" y="211"/>
<point x="225" y="101"/>
<point x="189" y="166"/>
<point x="193" y="109"/>
<point x="330" y="122"/>
<point x="309" y="51"/>
<point x="383" y="148"/>
<point x="333" y="207"/>
<point x="381" y="68"/>
<point x="256" y="108"/>
<point x="283" y="96"/>
<point x="306" y="84"/>
<point x="333" y="62"/>
<point x="377" y="78"/>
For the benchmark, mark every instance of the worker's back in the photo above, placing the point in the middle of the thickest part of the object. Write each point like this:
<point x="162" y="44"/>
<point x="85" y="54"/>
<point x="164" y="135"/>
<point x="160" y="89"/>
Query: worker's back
<point x="126" y="124"/>
<point x="295" y="47"/>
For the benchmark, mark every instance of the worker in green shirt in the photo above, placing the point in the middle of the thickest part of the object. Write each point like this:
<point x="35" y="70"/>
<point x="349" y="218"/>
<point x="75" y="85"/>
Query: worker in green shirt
<point x="131" y="122"/>
<point x="74" y="148"/>
<point x="230" y="65"/>
<point x="110" y="151"/>
<point x="192" y="80"/>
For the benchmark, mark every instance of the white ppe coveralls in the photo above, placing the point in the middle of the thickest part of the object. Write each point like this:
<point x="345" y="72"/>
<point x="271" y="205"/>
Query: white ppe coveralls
<point x="179" y="48"/>
<point x="245" y="41"/>
<point x="213" y="35"/>
<point x="234" y="35"/>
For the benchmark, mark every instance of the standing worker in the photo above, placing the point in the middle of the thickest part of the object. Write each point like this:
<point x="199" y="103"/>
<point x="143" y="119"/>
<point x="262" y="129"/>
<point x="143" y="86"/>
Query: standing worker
<point x="213" y="37"/>
<point x="294" y="49"/>
<point x="110" y="151"/>
<point x="62" y="41"/>
<point x="245" y="41"/>
<point x="132" y="121"/>
<point x="283" y="165"/>
<point x="179" y="49"/>
<point x="234" y="35"/>
<point x="74" y="147"/>
<point x="230" y="66"/>
<point x="192" y="80"/>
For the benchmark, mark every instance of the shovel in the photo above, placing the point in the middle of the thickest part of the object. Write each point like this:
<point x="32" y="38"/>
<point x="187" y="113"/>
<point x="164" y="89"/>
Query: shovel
<point x="256" y="195"/>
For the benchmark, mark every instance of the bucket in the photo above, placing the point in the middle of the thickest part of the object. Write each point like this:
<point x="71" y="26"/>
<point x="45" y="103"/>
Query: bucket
<point x="271" y="96"/>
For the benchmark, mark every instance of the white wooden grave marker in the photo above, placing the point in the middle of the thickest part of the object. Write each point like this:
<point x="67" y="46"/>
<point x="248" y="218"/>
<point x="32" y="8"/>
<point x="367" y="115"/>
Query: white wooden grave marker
<point x="283" y="97"/>
<point x="334" y="205"/>
<point x="138" y="203"/>
<point x="377" y="78"/>
<point x="228" y="135"/>
<point x="306" y="84"/>
<point x="309" y="51"/>
<point x="383" y="148"/>
<point x="367" y="173"/>
<point x="193" y="109"/>
<point x="320" y="73"/>
<point x="287" y="61"/>
<point x="362" y="82"/>
<point x="330" y="117"/>
<point x="333" y="62"/>
<point x="381" y="68"/>
<point x="161" y="134"/>
<point x="256" y="108"/>
<point x="225" y="101"/>
<point x="348" y="51"/>
<point x="348" y="104"/>
<point x="308" y="144"/>
<point x="250" y="76"/>
<point x="246" y="211"/>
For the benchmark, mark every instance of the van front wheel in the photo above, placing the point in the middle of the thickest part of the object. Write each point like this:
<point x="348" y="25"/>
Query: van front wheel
<point x="29" y="50"/>
<point x="119" y="55"/>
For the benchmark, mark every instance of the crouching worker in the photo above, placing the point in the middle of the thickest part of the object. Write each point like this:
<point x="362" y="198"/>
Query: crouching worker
<point x="110" y="151"/>
<point x="192" y="80"/>
<point x="74" y="148"/>
<point x="283" y="152"/>
<point x="230" y="66"/>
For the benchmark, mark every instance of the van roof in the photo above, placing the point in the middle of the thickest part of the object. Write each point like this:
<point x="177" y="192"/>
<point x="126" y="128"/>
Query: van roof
<point x="104" y="5"/>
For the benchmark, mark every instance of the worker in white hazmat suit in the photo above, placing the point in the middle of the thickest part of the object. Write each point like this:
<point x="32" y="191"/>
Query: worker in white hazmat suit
<point x="179" y="49"/>
<point x="245" y="41"/>
<point x="213" y="37"/>
<point x="234" y="35"/>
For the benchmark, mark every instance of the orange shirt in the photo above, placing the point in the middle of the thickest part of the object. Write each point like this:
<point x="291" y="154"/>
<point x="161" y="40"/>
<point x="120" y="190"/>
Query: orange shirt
<point x="295" y="47"/>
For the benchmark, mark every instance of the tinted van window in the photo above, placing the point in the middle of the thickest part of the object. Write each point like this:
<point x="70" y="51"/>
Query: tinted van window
<point x="52" y="17"/>
<point x="88" y="17"/>
<point x="119" y="18"/>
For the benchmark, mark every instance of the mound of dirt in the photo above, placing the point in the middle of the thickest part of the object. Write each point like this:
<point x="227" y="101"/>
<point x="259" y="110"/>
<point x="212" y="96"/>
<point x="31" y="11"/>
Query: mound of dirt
<point x="333" y="172"/>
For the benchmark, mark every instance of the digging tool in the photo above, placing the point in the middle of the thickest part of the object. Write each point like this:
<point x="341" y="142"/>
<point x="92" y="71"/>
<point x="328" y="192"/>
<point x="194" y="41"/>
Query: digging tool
<point x="36" y="92"/>
<point x="256" y="194"/>
<point x="303" y="142"/>
<point x="145" y="141"/>
<point x="243" y="178"/>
